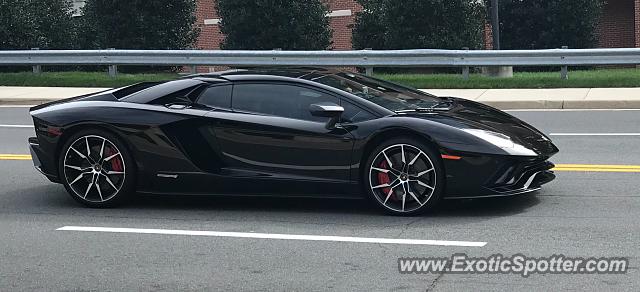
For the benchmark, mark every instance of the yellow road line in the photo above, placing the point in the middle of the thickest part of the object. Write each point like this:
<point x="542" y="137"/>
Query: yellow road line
<point x="597" y="168"/>
<point x="15" y="157"/>
<point x="604" y="166"/>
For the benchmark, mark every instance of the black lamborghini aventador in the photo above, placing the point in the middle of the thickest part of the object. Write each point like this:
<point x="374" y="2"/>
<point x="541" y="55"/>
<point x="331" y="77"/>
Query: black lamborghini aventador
<point x="286" y="132"/>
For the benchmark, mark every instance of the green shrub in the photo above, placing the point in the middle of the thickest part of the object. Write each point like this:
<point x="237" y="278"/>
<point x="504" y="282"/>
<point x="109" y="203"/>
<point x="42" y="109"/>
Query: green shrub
<point x="547" y="24"/>
<point x="138" y="24"/>
<point x="419" y="24"/>
<point x="44" y="24"/>
<point x="270" y="24"/>
<point x="370" y="26"/>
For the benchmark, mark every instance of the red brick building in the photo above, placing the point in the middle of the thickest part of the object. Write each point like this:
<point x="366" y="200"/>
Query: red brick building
<point x="620" y="25"/>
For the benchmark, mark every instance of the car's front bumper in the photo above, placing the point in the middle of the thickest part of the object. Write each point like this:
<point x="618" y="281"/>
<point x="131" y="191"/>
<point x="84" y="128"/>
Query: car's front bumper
<point x="529" y="182"/>
<point x="496" y="176"/>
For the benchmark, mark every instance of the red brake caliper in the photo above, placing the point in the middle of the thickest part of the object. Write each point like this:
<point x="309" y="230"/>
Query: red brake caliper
<point x="383" y="178"/>
<point x="116" y="164"/>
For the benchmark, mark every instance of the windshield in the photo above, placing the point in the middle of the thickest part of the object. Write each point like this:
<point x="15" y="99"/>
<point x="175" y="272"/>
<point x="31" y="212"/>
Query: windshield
<point x="389" y="95"/>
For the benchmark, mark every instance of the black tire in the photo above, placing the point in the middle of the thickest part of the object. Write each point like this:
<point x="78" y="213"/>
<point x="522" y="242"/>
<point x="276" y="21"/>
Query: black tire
<point x="409" y="185"/>
<point x="111" y="188"/>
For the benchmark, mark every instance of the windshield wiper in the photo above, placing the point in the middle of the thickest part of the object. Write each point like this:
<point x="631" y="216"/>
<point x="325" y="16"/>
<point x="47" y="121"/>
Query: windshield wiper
<point x="436" y="107"/>
<point x="447" y="102"/>
<point x="420" y="109"/>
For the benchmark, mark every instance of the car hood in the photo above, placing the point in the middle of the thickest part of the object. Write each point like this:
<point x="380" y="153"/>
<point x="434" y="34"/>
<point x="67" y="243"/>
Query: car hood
<point x="466" y="114"/>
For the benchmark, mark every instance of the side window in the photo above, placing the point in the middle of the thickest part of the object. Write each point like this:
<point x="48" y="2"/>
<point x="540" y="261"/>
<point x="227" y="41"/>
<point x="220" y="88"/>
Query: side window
<point x="281" y="100"/>
<point x="216" y="96"/>
<point x="181" y="96"/>
<point x="354" y="114"/>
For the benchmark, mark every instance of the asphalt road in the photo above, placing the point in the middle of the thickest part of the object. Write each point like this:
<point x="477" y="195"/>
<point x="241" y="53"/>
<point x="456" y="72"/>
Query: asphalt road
<point x="581" y="214"/>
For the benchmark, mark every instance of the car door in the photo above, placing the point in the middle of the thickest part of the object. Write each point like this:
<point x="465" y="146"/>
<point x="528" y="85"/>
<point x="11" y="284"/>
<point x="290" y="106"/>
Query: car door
<point x="273" y="142"/>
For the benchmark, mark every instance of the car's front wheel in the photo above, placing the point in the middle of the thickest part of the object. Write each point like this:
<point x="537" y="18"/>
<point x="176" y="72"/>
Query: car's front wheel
<point x="96" y="168"/>
<point x="404" y="176"/>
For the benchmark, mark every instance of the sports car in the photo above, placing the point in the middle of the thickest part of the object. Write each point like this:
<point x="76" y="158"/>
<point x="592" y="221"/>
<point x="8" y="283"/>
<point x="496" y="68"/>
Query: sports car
<point x="286" y="132"/>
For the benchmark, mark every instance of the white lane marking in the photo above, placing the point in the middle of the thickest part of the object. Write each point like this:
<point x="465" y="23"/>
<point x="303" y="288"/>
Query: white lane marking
<point x="594" y="134"/>
<point x="16" y="126"/>
<point x="275" y="236"/>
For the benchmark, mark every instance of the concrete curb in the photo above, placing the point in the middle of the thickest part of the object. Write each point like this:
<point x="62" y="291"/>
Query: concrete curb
<point x="15" y="95"/>
<point x="564" y="104"/>
<point x="25" y="101"/>
<point x="550" y="98"/>
<point x="601" y="104"/>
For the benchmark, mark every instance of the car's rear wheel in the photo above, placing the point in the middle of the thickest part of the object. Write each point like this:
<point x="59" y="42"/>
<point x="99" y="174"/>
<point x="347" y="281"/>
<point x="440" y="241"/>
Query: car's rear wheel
<point x="96" y="169"/>
<point x="404" y="177"/>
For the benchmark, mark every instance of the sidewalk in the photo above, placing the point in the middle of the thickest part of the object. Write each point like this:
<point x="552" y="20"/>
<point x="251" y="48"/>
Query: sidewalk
<point x="10" y="95"/>
<point x="562" y="98"/>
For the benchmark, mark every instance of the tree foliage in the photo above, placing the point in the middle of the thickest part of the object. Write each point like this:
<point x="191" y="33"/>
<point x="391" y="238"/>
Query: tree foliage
<point x="414" y="24"/>
<point x="138" y="24"/>
<point x="546" y="24"/>
<point x="270" y="24"/>
<point x="45" y="24"/>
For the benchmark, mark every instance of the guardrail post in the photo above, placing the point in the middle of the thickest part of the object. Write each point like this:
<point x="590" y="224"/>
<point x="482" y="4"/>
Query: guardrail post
<point x="37" y="69"/>
<point x="564" y="71"/>
<point x="465" y="72"/>
<point x="465" y="69"/>
<point x="368" y="70"/>
<point x="192" y="69"/>
<point x="113" y="69"/>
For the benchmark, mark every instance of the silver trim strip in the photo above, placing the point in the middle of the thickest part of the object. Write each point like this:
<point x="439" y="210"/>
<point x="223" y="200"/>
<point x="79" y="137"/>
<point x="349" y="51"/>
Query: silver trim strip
<point x="530" y="180"/>
<point x="495" y="196"/>
<point x="163" y="175"/>
<point x="39" y="169"/>
<point x="525" y="189"/>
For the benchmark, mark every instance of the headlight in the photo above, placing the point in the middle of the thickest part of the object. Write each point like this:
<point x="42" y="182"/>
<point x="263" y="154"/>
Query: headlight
<point x="503" y="141"/>
<point x="500" y="140"/>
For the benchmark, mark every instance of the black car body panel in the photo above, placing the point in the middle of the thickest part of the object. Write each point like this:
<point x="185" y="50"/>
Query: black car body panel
<point x="183" y="147"/>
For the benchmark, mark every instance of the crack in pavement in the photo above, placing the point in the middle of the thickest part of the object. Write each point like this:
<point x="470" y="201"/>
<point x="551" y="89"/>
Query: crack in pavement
<point x="434" y="282"/>
<point x="407" y="225"/>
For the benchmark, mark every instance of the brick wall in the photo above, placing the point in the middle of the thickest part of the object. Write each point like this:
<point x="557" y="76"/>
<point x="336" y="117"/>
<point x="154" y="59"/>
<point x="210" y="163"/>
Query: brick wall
<point x="487" y="36"/>
<point x="617" y="28"/>
<point x="341" y="25"/>
<point x="637" y="22"/>
<point x="210" y="35"/>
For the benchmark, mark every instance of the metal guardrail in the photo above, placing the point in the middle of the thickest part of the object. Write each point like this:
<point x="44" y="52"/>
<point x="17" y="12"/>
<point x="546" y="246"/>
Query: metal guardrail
<point x="363" y="58"/>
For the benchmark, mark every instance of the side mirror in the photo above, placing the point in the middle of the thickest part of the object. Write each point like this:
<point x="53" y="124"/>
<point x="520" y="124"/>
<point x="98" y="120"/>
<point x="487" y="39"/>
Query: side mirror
<point x="327" y="110"/>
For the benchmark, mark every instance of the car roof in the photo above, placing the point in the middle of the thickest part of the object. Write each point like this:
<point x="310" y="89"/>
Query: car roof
<point x="269" y="73"/>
